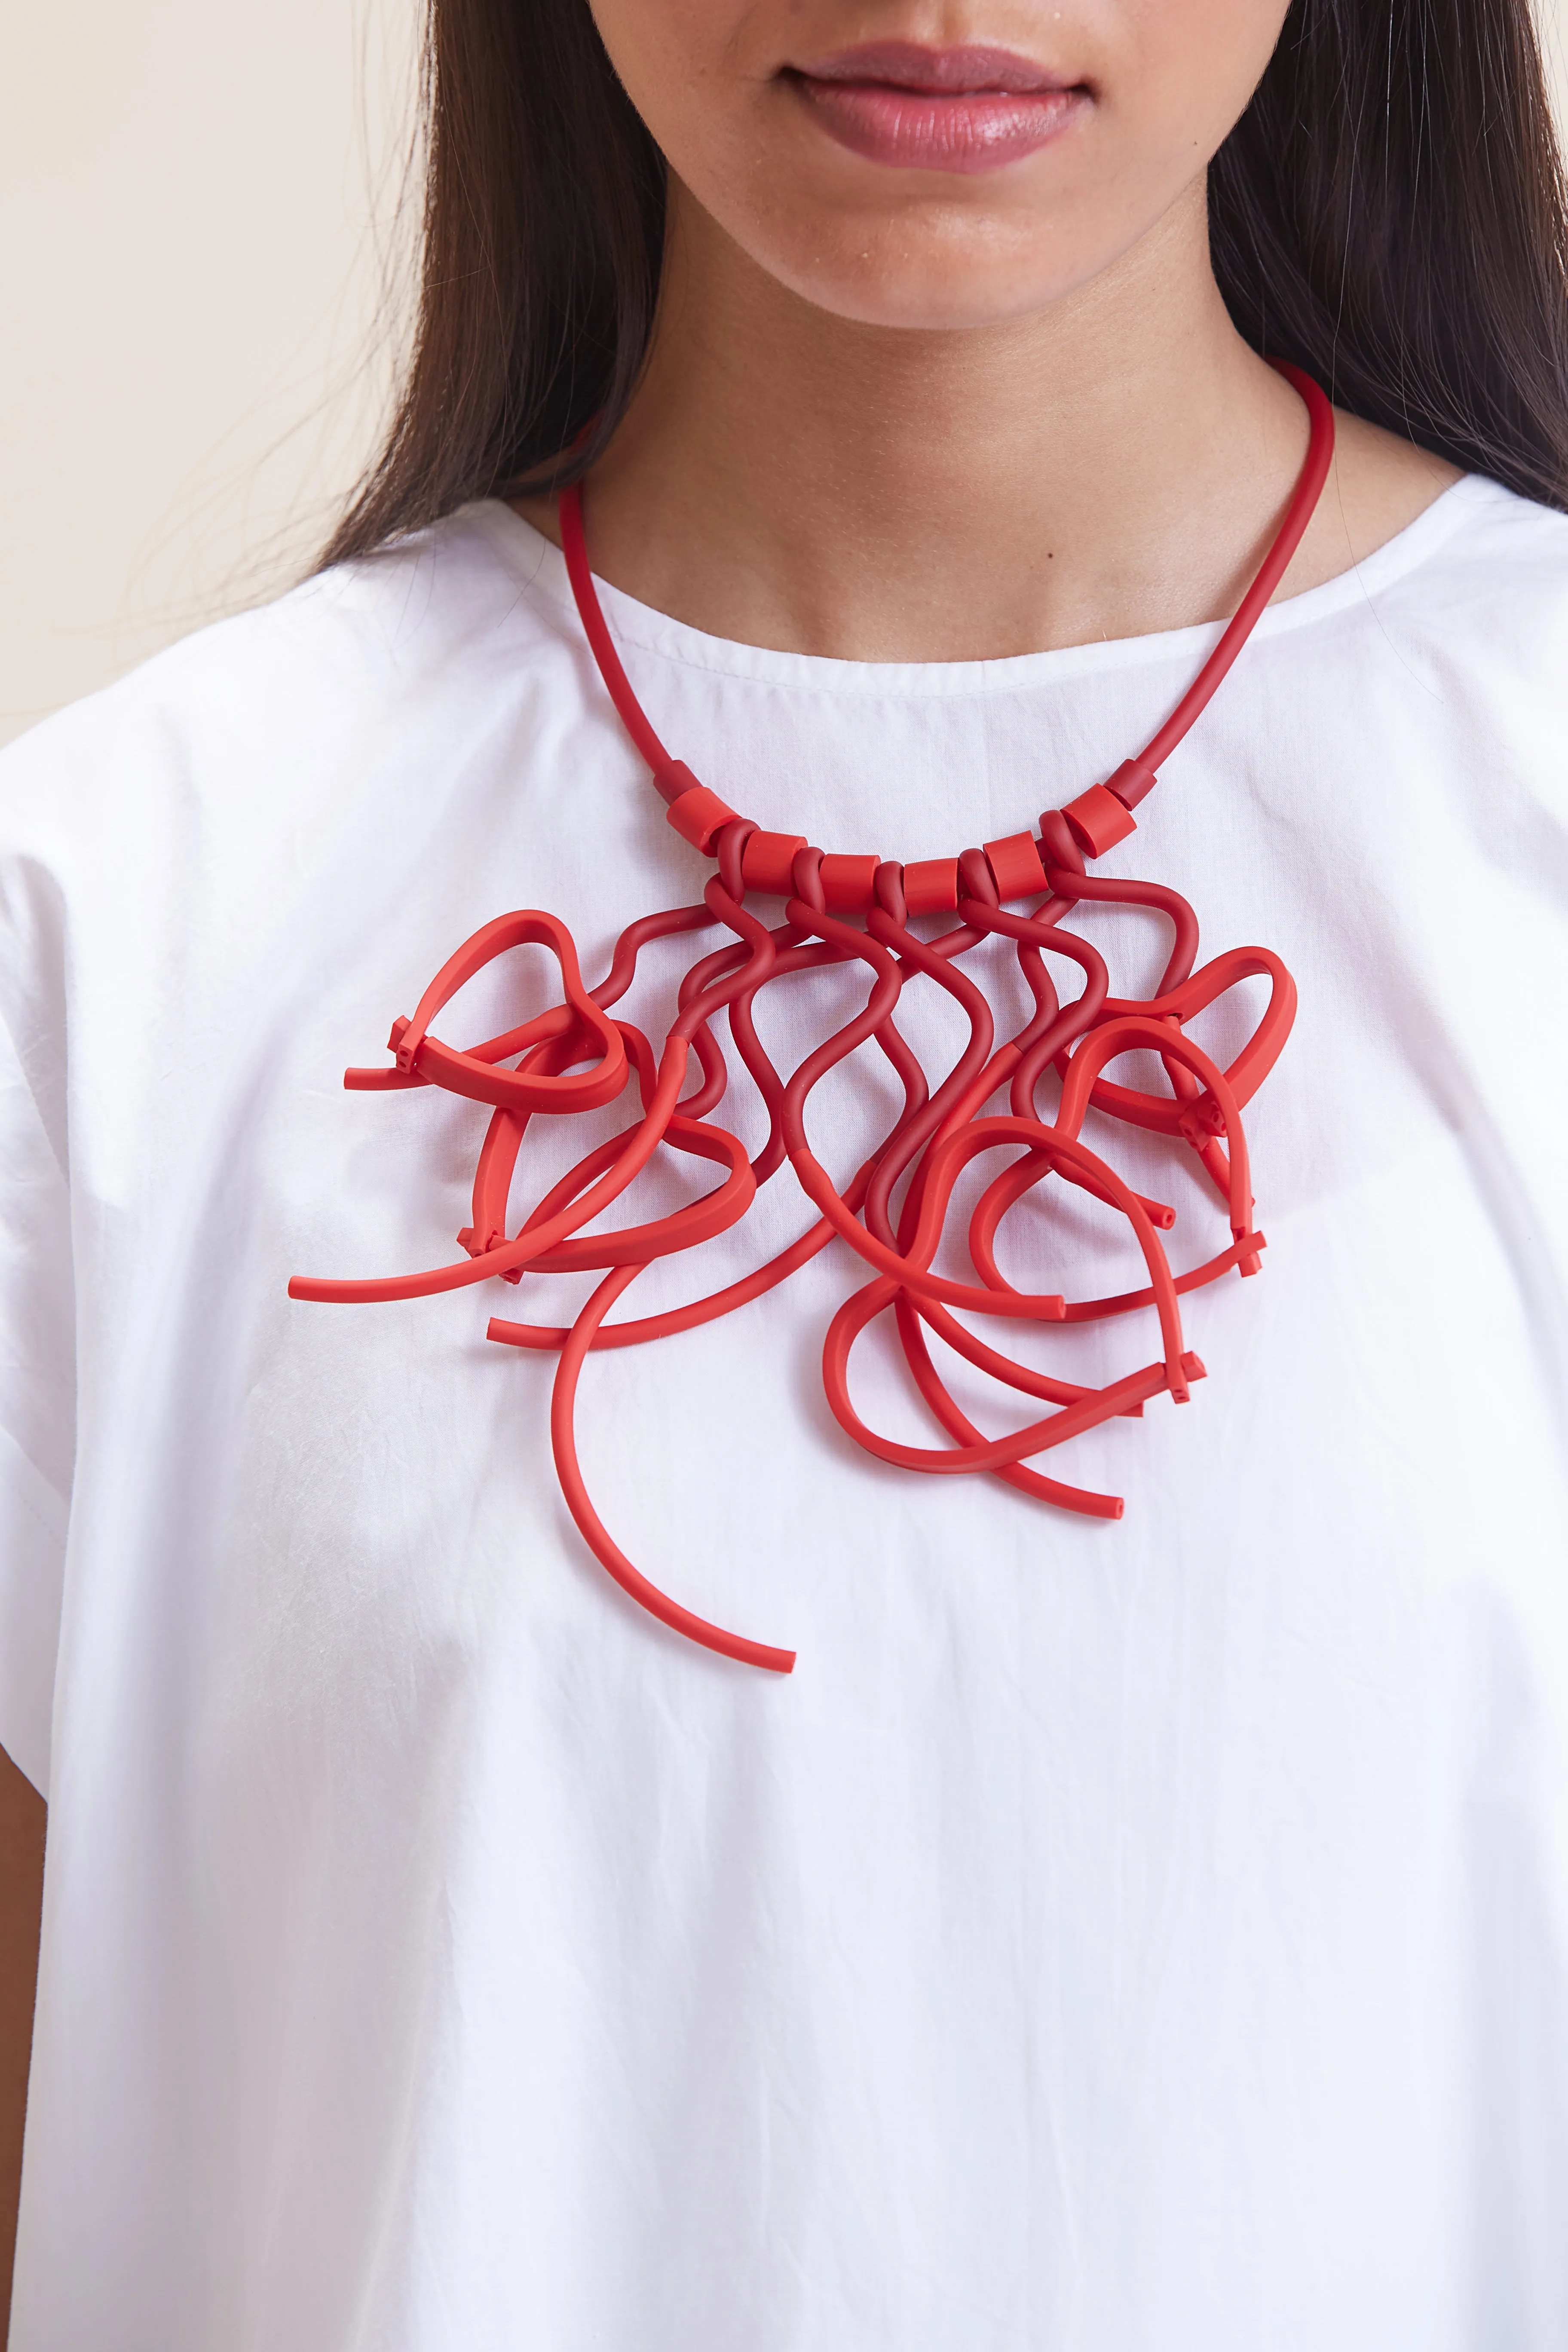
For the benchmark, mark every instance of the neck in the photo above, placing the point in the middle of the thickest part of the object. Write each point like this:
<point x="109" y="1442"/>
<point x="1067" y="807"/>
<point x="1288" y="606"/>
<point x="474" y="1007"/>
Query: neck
<point x="796" y="479"/>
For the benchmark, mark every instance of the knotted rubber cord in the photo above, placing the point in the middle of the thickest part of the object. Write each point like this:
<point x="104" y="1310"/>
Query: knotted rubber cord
<point x="576" y="1058"/>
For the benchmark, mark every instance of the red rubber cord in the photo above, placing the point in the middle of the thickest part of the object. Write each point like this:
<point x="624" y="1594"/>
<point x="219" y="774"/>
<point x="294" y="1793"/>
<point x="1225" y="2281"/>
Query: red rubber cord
<point x="574" y="1059"/>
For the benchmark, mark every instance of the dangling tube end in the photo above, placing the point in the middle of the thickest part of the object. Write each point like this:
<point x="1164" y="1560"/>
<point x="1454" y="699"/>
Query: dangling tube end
<point x="745" y="1653"/>
<point x="375" y="1082"/>
<point x="323" y="1291"/>
<point x="1192" y="1368"/>
<point x="772" y="1662"/>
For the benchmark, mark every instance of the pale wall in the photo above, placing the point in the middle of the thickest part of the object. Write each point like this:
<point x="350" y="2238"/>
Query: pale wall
<point x="195" y="196"/>
<point x="196" y="203"/>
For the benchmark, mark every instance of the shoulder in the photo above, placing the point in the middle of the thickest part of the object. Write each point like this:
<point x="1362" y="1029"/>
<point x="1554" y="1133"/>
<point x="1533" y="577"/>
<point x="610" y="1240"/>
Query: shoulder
<point x="1476" y="585"/>
<point x="1436" y="544"/>
<point x="174" y="846"/>
<point x="1443" y="655"/>
<point x="1500" y="545"/>
<point x="1475" y="594"/>
<point x="260" y="713"/>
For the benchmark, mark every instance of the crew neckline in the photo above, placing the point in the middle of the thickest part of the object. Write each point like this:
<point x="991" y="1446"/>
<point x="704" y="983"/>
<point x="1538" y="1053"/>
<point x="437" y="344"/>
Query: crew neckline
<point x="540" y="569"/>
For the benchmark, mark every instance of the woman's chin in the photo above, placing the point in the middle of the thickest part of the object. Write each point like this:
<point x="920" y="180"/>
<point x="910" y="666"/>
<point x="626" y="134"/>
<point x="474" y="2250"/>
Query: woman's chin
<point x="932" y="300"/>
<point x="934" y="270"/>
<point x="932" y="251"/>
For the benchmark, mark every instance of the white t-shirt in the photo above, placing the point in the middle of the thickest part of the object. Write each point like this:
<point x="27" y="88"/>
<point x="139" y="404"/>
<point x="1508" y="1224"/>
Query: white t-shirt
<point x="1134" y="1937"/>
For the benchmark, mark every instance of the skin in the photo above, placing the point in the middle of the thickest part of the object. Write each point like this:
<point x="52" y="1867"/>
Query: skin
<point x="21" y="1896"/>
<point x="895" y="414"/>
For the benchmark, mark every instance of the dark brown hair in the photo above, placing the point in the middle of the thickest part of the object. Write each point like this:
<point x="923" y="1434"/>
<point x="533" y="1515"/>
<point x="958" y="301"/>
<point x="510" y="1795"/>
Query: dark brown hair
<point x="1388" y="212"/>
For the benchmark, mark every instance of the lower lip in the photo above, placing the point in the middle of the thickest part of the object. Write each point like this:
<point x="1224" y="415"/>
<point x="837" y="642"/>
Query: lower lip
<point x="938" y="130"/>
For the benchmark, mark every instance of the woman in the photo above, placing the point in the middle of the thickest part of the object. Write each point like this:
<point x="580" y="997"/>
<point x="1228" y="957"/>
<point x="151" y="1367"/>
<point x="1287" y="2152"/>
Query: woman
<point x="1111" y="1933"/>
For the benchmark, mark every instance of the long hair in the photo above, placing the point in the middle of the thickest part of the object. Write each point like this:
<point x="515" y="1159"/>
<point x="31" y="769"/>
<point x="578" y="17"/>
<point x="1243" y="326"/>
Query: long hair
<point x="1389" y="212"/>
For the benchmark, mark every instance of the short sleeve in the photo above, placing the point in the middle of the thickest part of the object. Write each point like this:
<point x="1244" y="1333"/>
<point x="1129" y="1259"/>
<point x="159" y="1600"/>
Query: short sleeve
<point x="37" y="1407"/>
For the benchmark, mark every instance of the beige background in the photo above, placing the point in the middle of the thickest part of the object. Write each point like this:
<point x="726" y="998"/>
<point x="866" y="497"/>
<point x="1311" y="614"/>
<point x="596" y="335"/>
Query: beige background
<point x="200" y="250"/>
<point x="198" y="208"/>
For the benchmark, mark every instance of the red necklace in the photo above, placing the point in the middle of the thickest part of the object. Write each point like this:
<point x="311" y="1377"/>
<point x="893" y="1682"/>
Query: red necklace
<point x="575" y="1058"/>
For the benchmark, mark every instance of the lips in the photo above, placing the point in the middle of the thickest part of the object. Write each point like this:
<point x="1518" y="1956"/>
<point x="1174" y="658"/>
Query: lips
<point x="960" y="110"/>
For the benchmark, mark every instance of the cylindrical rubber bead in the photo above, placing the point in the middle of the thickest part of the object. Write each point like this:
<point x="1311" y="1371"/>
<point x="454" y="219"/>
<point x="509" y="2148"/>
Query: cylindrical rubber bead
<point x="1098" y="819"/>
<point x="1015" y="866"/>
<point x="767" y="862"/>
<point x="1131" y="783"/>
<point x="849" y="884"/>
<point x="931" y="885"/>
<point x="698" y="815"/>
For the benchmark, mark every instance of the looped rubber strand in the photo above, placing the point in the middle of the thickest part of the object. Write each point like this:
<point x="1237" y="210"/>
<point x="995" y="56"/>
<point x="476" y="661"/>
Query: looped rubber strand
<point x="893" y="1213"/>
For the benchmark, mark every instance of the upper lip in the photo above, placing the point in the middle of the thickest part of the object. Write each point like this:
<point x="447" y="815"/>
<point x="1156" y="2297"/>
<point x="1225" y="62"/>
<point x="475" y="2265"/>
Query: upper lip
<point x="905" y="65"/>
